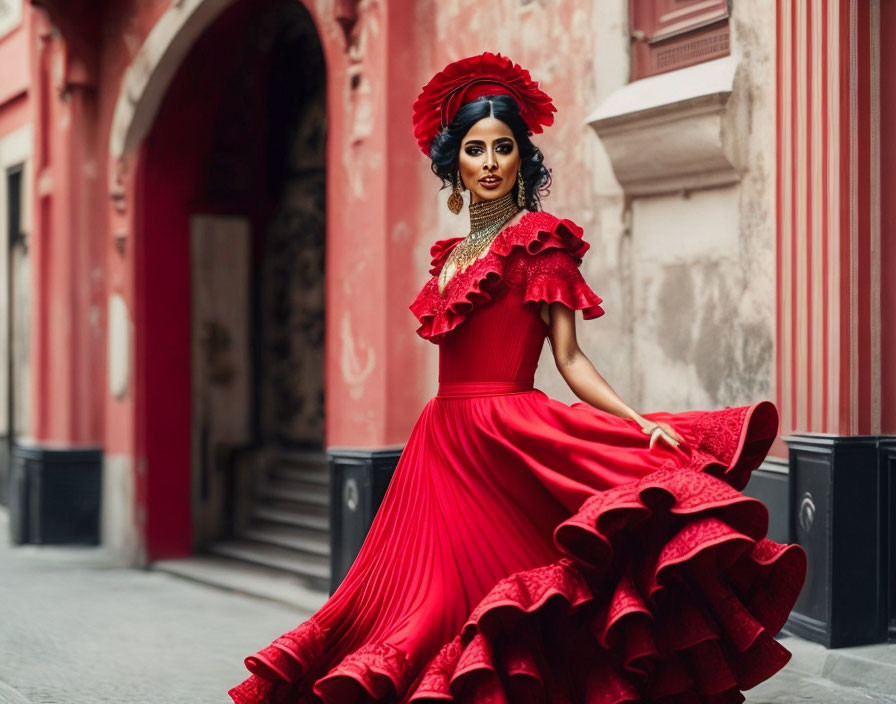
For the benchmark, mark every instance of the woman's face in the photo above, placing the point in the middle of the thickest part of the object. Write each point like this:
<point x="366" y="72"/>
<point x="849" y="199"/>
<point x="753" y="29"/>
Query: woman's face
<point x="489" y="160"/>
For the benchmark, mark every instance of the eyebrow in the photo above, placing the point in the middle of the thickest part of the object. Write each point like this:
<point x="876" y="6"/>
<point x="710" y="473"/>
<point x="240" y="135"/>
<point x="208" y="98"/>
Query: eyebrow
<point x="495" y="141"/>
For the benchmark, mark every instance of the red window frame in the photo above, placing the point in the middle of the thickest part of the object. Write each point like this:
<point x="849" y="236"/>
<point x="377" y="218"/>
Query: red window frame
<point x="671" y="34"/>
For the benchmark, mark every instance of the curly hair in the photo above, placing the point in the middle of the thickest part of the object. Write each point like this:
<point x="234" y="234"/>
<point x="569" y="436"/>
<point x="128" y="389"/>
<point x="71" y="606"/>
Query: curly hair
<point x="446" y="145"/>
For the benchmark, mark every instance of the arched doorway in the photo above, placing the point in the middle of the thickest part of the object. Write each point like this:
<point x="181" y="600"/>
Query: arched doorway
<point x="230" y="282"/>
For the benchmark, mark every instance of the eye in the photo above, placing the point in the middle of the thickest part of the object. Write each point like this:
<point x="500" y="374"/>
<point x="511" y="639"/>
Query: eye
<point x="473" y="150"/>
<point x="505" y="148"/>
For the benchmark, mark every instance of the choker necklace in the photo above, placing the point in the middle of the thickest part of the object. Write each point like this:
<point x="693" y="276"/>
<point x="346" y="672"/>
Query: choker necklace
<point x="487" y="217"/>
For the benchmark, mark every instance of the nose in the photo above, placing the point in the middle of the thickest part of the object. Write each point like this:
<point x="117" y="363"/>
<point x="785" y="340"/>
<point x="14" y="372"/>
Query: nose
<point x="491" y="163"/>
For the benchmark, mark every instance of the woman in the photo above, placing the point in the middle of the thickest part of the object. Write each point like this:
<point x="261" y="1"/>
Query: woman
<point x="527" y="550"/>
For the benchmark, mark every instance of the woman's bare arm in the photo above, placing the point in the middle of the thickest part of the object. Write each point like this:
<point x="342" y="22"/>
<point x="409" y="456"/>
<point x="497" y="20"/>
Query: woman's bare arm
<point x="582" y="377"/>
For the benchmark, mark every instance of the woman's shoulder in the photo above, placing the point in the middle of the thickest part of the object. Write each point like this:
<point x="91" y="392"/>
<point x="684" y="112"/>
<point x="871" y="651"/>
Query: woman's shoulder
<point x="540" y="231"/>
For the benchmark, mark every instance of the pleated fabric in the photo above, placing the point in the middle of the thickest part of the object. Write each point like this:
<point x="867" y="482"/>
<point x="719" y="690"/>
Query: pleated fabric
<point x="532" y="551"/>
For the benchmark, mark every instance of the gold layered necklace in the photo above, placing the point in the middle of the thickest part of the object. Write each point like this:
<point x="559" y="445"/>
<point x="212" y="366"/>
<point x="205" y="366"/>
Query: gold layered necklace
<point x="487" y="217"/>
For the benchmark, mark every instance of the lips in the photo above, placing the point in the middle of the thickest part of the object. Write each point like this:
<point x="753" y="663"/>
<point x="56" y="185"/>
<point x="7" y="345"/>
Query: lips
<point x="491" y="181"/>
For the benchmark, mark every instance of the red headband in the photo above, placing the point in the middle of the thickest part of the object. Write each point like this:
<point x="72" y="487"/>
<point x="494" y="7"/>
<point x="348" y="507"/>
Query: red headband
<point x="466" y="80"/>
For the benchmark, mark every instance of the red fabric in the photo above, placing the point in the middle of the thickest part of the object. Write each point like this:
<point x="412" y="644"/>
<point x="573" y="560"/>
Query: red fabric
<point x="552" y="276"/>
<point x="532" y="551"/>
<point x="466" y="80"/>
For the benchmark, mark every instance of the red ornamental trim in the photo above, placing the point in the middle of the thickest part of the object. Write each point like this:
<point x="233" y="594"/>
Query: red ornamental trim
<point x="466" y="80"/>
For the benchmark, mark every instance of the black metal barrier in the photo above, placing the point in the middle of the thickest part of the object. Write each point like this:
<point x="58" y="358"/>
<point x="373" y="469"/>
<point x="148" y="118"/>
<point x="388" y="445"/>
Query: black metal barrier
<point x="55" y="495"/>
<point x="358" y="482"/>
<point x="841" y="515"/>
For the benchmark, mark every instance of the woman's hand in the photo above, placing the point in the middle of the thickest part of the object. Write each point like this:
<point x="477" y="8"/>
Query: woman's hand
<point x="661" y="431"/>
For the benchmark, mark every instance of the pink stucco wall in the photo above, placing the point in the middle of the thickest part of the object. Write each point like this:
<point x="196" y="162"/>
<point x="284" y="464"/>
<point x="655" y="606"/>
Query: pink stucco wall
<point x="14" y="76"/>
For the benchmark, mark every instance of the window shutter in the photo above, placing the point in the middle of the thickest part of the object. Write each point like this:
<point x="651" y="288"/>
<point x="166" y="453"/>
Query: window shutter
<point x="671" y="34"/>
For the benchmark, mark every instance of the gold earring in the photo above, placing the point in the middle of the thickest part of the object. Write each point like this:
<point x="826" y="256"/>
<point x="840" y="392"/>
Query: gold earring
<point x="520" y="190"/>
<point x="455" y="200"/>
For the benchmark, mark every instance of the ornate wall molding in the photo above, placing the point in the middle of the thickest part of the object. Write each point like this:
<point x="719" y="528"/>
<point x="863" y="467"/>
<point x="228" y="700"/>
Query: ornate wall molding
<point x="10" y="16"/>
<point x="666" y="133"/>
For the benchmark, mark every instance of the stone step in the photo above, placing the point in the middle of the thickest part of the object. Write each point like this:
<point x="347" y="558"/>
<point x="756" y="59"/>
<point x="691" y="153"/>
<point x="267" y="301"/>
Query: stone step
<point x="299" y="539"/>
<point x="314" y="568"/>
<point x="294" y="491"/>
<point x="317" y="476"/>
<point x="307" y="516"/>
<point x="310" y="459"/>
<point x="289" y="505"/>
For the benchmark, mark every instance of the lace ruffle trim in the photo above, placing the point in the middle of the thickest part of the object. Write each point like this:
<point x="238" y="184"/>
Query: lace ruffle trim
<point x="288" y="671"/>
<point x="554" y="277"/>
<point x="536" y="232"/>
<point x="684" y="609"/>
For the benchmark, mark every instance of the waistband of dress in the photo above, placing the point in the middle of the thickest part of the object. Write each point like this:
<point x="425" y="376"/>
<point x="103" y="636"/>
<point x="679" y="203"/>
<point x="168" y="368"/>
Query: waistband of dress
<point x="467" y="389"/>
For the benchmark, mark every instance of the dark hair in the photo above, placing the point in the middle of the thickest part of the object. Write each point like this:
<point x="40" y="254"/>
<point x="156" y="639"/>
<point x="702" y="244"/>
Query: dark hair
<point x="446" y="145"/>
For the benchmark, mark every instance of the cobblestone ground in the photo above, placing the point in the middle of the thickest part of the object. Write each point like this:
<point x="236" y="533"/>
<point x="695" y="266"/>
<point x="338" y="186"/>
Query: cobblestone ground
<point x="790" y="687"/>
<point x="75" y="629"/>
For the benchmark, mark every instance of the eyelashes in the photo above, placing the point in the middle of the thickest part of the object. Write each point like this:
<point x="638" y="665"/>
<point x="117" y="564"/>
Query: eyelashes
<point x="473" y="150"/>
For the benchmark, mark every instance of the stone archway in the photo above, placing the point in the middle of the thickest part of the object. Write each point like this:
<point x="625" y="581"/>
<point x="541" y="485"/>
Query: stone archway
<point x="198" y="191"/>
<point x="150" y="74"/>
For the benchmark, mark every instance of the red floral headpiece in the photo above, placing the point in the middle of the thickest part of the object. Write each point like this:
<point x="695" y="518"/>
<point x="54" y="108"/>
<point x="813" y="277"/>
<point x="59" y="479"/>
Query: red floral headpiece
<point x="466" y="80"/>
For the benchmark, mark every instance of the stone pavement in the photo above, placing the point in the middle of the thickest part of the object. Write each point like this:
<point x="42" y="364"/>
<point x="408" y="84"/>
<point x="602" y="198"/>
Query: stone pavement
<point x="804" y="680"/>
<point x="76" y="629"/>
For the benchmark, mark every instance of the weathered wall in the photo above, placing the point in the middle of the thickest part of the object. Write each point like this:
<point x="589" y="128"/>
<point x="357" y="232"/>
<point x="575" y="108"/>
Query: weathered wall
<point x="15" y="149"/>
<point x="16" y="137"/>
<point x="703" y="261"/>
<point x="16" y="72"/>
<point x="687" y="277"/>
<point x="750" y="132"/>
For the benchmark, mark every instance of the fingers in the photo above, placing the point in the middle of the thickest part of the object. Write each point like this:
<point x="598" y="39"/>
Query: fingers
<point x="667" y="438"/>
<point x="658" y="434"/>
<point x="664" y="432"/>
<point x="671" y="431"/>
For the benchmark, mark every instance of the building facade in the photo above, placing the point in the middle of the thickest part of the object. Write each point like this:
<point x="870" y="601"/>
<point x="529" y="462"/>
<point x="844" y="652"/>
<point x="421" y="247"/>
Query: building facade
<point x="224" y="217"/>
<point x="16" y="184"/>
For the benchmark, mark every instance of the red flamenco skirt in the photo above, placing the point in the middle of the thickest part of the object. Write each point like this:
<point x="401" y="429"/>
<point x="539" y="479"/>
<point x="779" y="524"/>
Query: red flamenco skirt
<point x="528" y="551"/>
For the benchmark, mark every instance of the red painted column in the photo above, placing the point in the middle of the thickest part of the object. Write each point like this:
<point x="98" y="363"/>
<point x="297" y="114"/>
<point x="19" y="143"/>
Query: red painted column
<point x="41" y="237"/>
<point x="887" y="79"/>
<point x="356" y="247"/>
<point x="829" y="259"/>
<point x="373" y="364"/>
<point x="407" y="208"/>
<point x="67" y="341"/>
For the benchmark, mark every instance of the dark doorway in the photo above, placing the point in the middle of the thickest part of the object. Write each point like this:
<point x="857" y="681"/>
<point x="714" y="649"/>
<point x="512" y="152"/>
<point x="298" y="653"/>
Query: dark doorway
<point x="242" y="134"/>
<point x="18" y="284"/>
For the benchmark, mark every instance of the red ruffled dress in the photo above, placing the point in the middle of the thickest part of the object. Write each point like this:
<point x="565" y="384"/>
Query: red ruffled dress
<point x="532" y="551"/>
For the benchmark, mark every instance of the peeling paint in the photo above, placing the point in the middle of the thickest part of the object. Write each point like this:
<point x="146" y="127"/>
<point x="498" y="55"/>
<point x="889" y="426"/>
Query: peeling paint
<point x="355" y="372"/>
<point x="674" y="306"/>
<point x="401" y="233"/>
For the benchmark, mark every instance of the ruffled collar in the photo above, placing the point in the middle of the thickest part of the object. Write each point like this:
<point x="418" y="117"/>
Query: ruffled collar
<point x="535" y="232"/>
